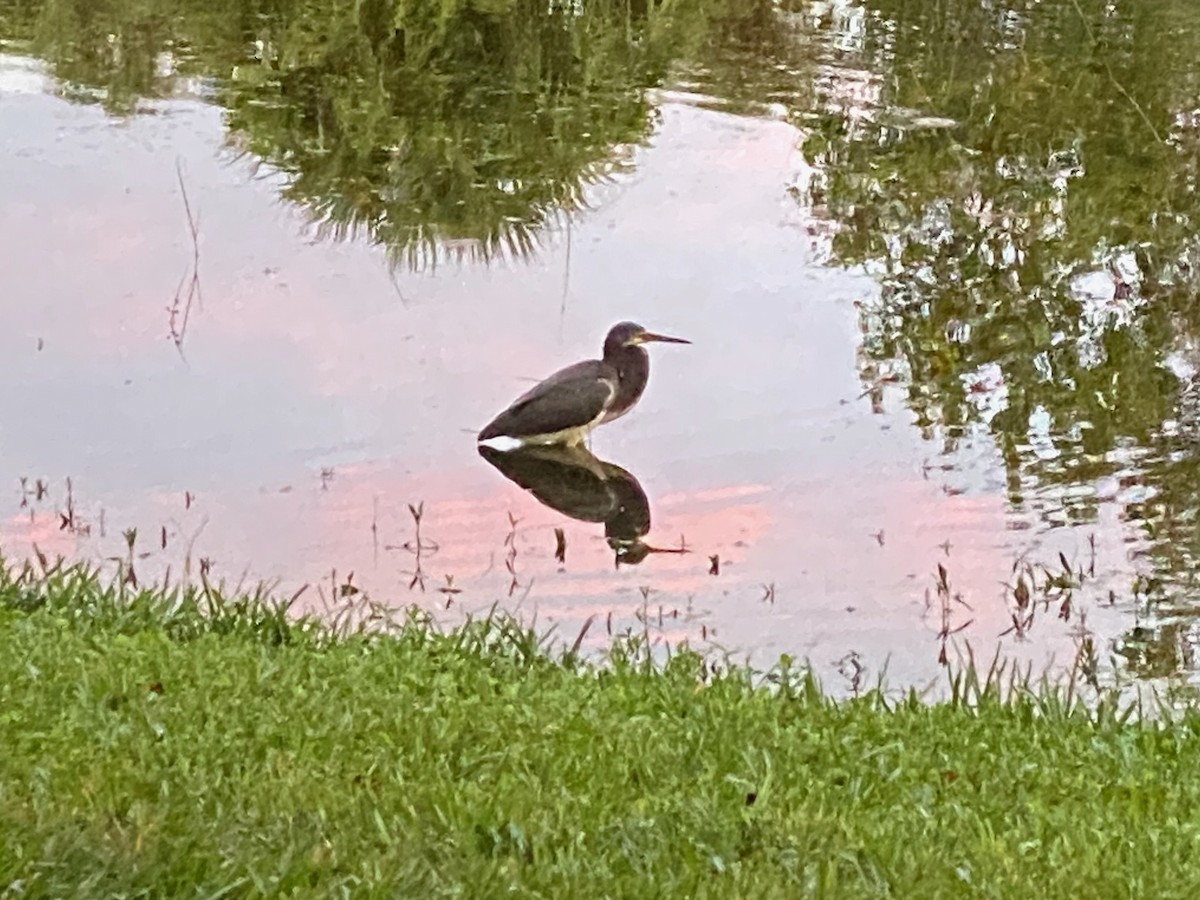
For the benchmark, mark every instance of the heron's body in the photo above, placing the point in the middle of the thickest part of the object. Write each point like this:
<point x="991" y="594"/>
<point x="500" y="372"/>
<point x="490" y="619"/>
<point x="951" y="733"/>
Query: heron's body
<point x="565" y="407"/>
<point x="574" y="482"/>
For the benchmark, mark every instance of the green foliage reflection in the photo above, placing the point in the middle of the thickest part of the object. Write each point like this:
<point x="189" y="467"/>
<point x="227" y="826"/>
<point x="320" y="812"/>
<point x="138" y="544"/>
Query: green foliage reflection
<point x="432" y="126"/>
<point x="1023" y="181"/>
<point x="469" y="127"/>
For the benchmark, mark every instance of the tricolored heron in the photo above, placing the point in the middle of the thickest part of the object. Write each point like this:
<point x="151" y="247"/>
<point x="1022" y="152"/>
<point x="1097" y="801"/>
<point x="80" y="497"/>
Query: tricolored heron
<point x="572" y="481"/>
<point x="565" y="407"/>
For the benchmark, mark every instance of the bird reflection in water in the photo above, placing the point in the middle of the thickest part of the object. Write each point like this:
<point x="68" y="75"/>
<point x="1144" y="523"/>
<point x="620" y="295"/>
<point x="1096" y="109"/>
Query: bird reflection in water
<point x="574" y="482"/>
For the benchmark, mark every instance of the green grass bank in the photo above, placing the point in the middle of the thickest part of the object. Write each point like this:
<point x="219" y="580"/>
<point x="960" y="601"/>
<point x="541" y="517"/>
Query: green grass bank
<point x="167" y="745"/>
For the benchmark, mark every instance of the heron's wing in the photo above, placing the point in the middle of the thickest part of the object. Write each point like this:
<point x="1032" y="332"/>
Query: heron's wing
<point x="567" y="479"/>
<point x="570" y="398"/>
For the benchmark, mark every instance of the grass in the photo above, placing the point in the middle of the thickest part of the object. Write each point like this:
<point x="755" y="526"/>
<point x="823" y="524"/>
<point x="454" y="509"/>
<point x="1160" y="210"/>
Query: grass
<point x="173" y="744"/>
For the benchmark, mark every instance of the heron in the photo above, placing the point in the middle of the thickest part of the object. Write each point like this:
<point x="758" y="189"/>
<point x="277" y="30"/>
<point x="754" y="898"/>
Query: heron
<point x="572" y="481"/>
<point x="565" y="407"/>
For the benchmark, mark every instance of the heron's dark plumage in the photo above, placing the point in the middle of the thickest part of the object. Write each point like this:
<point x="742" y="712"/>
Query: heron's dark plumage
<point x="573" y="397"/>
<point x="574" y="482"/>
<point x="574" y="400"/>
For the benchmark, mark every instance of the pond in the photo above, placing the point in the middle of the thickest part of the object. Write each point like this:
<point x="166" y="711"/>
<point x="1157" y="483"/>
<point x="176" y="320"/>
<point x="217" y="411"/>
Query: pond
<point x="267" y="267"/>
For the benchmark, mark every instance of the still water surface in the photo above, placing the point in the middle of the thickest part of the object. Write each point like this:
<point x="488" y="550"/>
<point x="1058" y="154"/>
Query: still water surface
<point x="937" y="266"/>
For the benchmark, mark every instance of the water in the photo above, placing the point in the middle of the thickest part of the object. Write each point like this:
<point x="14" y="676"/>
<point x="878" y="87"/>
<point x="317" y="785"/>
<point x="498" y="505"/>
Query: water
<point x="937" y="265"/>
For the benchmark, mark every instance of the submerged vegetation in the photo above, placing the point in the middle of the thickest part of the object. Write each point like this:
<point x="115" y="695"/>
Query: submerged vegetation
<point x="181" y="742"/>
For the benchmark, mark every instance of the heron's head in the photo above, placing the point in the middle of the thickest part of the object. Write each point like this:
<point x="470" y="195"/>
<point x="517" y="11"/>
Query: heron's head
<point x="631" y="334"/>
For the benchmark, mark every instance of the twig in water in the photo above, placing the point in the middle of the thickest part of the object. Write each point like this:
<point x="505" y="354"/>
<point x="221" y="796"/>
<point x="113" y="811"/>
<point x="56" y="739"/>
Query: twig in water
<point x="180" y="310"/>
<point x="945" y="597"/>
<point x="418" y="547"/>
<point x="851" y="668"/>
<point x="375" y="528"/>
<point x="510" y="560"/>
<point x="391" y="270"/>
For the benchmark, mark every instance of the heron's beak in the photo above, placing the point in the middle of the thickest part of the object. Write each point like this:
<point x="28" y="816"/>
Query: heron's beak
<point x="646" y="337"/>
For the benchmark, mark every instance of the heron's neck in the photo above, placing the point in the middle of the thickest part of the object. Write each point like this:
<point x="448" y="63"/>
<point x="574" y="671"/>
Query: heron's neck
<point x="633" y="370"/>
